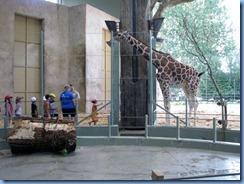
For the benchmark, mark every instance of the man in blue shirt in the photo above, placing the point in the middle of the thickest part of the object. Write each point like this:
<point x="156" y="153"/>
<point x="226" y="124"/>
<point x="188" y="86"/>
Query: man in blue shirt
<point x="68" y="103"/>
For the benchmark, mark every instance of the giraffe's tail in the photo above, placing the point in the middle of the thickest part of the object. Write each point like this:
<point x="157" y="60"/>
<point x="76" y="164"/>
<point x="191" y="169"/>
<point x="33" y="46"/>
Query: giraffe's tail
<point x="200" y="74"/>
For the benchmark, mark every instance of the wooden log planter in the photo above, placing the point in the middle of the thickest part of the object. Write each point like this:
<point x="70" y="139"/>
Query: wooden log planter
<point x="30" y="135"/>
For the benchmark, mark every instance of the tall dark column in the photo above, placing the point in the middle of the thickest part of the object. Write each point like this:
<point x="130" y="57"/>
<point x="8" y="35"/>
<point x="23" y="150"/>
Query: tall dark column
<point x="134" y="71"/>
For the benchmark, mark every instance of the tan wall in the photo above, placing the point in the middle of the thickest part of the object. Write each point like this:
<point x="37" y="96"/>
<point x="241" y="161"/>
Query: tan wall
<point x="55" y="20"/>
<point x="77" y="49"/>
<point x="95" y="22"/>
<point x="67" y="41"/>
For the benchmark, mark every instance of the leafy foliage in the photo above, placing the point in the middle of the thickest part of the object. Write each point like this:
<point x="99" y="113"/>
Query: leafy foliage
<point x="198" y="31"/>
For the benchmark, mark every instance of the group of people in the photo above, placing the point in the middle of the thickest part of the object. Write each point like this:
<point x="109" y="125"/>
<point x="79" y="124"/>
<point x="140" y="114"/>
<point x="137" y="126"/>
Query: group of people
<point x="68" y="99"/>
<point x="9" y="109"/>
<point x="50" y="108"/>
<point x="68" y="103"/>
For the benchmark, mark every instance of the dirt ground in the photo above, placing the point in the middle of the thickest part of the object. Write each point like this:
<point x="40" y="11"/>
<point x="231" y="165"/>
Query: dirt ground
<point x="204" y="118"/>
<point x="205" y="114"/>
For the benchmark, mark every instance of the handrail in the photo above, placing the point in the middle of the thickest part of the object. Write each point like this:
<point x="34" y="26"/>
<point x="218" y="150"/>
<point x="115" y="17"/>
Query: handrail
<point x="90" y="115"/>
<point x="169" y="112"/>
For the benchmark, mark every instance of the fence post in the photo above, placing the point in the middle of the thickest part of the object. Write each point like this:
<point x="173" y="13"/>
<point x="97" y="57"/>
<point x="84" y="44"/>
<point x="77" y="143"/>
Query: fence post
<point x="186" y="102"/>
<point x="109" y="126"/>
<point x="6" y="119"/>
<point x="146" y="125"/>
<point x="77" y="114"/>
<point x="178" y="127"/>
<point x="214" y="130"/>
<point x="42" y="71"/>
<point x="115" y="74"/>
<point x="150" y="104"/>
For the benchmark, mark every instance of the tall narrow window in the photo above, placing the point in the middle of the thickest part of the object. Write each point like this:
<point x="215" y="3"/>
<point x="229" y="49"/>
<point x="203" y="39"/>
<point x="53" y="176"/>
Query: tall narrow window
<point x="27" y="59"/>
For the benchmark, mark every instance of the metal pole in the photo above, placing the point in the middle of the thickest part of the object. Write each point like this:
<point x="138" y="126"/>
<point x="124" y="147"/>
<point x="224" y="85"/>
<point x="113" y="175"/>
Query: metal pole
<point x="6" y="120"/>
<point x="115" y="80"/>
<point x="109" y="126"/>
<point x="146" y="126"/>
<point x="42" y="72"/>
<point x="223" y="114"/>
<point x="76" y="109"/>
<point x="150" y="108"/>
<point x="186" y="102"/>
<point x="214" y="130"/>
<point x="5" y="125"/>
<point x="112" y="81"/>
<point x="178" y="127"/>
<point x="6" y="110"/>
<point x="226" y="121"/>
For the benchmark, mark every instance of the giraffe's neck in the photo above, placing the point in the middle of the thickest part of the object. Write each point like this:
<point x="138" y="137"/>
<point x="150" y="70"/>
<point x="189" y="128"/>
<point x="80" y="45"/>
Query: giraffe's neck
<point x="145" y="50"/>
<point x="138" y="45"/>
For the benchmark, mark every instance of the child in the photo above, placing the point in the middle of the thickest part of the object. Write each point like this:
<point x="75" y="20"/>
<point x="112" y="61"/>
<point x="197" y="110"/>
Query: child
<point x="8" y="107"/>
<point x="34" y="112"/>
<point x="94" y="108"/>
<point x="53" y="107"/>
<point x="47" y="106"/>
<point x="18" y="108"/>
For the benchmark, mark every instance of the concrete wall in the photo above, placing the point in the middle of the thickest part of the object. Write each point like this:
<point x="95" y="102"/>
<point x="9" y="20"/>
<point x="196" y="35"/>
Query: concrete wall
<point x="55" y="21"/>
<point x="68" y="38"/>
<point x="94" y="55"/>
<point x="111" y="7"/>
<point x="77" y="34"/>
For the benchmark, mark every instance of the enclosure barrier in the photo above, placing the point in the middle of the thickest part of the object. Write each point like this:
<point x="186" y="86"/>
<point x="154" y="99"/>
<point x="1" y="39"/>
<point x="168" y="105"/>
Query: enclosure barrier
<point x="90" y="115"/>
<point x="185" y="122"/>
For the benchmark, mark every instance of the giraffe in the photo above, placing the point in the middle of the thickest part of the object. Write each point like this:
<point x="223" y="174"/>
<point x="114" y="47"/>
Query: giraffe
<point x="170" y="73"/>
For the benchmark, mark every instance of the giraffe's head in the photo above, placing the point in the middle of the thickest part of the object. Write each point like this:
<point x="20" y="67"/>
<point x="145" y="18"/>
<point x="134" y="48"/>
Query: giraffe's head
<point x="120" y="36"/>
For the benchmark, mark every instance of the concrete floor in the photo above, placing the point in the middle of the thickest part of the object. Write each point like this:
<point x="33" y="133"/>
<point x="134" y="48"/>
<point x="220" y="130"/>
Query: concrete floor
<point x="119" y="163"/>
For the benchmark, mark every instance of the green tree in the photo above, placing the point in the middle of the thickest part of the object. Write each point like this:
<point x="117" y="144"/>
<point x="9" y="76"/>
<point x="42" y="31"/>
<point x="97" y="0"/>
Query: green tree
<point x="198" y="31"/>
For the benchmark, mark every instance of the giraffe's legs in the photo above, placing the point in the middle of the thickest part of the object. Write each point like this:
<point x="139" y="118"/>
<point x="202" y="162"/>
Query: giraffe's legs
<point x="167" y="107"/>
<point x="193" y="104"/>
<point x="166" y="96"/>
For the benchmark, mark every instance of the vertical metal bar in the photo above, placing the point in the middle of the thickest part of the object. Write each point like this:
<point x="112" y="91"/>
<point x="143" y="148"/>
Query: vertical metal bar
<point x="226" y="121"/>
<point x="42" y="72"/>
<point x="150" y="108"/>
<point x="76" y="109"/>
<point x="109" y="126"/>
<point x="112" y="81"/>
<point x="115" y="77"/>
<point x="214" y="130"/>
<point x="223" y="114"/>
<point x="6" y="109"/>
<point x="186" y="102"/>
<point x="154" y="85"/>
<point x="178" y="127"/>
<point x="146" y="126"/>
<point x="5" y="126"/>
<point x="6" y="120"/>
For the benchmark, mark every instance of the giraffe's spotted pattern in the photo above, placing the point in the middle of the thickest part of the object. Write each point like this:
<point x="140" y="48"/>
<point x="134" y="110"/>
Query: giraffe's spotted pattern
<point x="171" y="73"/>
